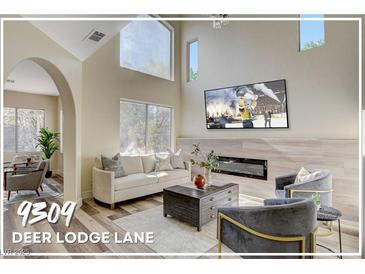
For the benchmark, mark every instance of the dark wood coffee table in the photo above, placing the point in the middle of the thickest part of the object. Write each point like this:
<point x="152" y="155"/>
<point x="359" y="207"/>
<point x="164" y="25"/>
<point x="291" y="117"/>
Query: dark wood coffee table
<point x="195" y="206"/>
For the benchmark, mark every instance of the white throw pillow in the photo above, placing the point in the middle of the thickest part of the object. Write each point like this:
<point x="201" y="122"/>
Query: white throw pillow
<point x="305" y="176"/>
<point x="300" y="176"/>
<point x="97" y="163"/>
<point x="132" y="164"/>
<point x="176" y="159"/>
<point x="149" y="163"/>
<point x="163" y="162"/>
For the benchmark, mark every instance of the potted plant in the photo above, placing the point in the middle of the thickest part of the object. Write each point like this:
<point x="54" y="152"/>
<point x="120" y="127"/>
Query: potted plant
<point x="48" y="141"/>
<point x="208" y="161"/>
<point x="316" y="199"/>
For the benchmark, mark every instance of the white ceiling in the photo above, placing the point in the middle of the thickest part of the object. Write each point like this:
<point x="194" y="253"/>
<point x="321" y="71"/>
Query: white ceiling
<point x="71" y="34"/>
<point x="30" y="77"/>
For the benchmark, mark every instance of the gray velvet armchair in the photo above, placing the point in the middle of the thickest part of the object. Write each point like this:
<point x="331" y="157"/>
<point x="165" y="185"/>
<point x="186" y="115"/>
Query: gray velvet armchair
<point x="27" y="179"/>
<point x="286" y="187"/>
<point x="280" y="226"/>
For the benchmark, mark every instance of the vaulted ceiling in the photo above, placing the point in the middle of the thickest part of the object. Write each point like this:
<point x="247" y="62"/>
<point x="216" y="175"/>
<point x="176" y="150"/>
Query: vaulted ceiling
<point x="73" y="35"/>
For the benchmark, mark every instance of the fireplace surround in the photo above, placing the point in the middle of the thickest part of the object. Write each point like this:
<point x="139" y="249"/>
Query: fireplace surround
<point x="244" y="167"/>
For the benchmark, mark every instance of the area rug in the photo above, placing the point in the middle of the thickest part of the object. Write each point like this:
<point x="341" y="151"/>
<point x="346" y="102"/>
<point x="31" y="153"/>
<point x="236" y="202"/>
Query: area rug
<point x="50" y="189"/>
<point x="172" y="235"/>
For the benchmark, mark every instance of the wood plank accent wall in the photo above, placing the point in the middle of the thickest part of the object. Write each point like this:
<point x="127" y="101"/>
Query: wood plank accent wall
<point x="341" y="157"/>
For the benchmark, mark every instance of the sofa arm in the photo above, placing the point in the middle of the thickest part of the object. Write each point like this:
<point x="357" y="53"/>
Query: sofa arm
<point x="188" y="167"/>
<point x="284" y="180"/>
<point x="103" y="185"/>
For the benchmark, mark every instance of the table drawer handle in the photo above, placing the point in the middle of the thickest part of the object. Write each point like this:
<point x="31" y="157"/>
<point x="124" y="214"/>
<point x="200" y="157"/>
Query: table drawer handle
<point x="212" y="216"/>
<point x="212" y="207"/>
<point x="230" y="191"/>
<point x="229" y="199"/>
<point x="212" y="199"/>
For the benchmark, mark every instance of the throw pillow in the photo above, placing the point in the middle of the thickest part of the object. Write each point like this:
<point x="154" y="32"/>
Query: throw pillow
<point x="116" y="156"/>
<point x="97" y="163"/>
<point x="149" y="163"/>
<point x="113" y="165"/>
<point x="176" y="159"/>
<point x="310" y="177"/>
<point x="132" y="164"/>
<point x="163" y="163"/>
<point x="304" y="176"/>
<point x="302" y="172"/>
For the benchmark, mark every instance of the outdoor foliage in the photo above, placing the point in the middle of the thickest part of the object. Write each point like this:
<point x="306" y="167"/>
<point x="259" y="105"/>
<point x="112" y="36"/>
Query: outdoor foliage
<point x="144" y="128"/>
<point x="21" y="128"/>
<point x="193" y="75"/>
<point x="141" y="51"/>
<point x="9" y="129"/>
<point x="313" y="44"/>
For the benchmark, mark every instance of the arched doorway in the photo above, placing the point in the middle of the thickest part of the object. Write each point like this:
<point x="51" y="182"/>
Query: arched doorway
<point x="71" y="181"/>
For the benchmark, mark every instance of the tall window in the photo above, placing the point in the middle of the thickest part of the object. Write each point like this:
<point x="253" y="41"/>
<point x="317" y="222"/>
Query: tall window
<point x="21" y="129"/>
<point x="9" y="129"/>
<point x="192" y="66"/>
<point x="311" y="32"/>
<point x="147" y="46"/>
<point x="144" y="128"/>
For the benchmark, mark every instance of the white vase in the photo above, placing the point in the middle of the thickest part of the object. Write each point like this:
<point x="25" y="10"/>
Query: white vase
<point x="208" y="176"/>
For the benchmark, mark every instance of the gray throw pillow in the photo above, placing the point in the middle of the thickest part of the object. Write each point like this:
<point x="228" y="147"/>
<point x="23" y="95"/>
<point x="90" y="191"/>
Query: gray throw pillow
<point x="176" y="159"/>
<point x="116" y="156"/>
<point x="113" y="165"/>
<point x="163" y="163"/>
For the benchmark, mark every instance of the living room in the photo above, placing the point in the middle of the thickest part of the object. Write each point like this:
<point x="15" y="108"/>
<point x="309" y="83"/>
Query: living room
<point x="117" y="101"/>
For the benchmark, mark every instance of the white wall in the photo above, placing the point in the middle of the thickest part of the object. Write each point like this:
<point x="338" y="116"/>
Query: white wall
<point x="104" y="84"/>
<point x="322" y="83"/>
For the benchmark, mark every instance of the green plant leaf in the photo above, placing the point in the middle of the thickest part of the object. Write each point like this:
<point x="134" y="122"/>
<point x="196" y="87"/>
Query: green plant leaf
<point x="48" y="142"/>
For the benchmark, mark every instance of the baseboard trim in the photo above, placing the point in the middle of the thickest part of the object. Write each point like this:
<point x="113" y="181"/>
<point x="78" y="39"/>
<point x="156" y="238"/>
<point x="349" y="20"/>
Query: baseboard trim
<point x="79" y="202"/>
<point x="86" y="195"/>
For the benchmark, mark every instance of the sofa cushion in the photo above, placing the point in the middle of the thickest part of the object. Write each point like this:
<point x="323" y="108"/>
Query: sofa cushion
<point x="135" y="180"/>
<point x="176" y="159"/>
<point x="132" y="164"/>
<point x="149" y="163"/>
<point x="113" y="165"/>
<point x="170" y="175"/>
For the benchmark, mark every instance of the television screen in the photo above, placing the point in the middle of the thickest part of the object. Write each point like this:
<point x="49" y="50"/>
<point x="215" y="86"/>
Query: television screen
<point x="260" y="105"/>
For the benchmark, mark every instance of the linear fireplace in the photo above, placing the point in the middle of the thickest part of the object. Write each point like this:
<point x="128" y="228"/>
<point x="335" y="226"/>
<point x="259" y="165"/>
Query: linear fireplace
<point x="252" y="168"/>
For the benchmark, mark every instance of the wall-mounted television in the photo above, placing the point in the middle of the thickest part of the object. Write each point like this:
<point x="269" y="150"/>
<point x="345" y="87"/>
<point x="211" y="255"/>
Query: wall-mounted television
<point x="260" y="105"/>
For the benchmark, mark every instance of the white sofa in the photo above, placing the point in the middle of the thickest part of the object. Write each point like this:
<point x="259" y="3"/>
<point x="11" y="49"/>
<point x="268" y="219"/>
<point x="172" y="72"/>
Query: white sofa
<point x="141" y="179"/>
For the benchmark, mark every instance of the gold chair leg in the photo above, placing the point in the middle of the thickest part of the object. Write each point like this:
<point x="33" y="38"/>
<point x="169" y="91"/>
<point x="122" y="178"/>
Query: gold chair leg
<point x="112" y="206"/>
<point x="219" y="236"/>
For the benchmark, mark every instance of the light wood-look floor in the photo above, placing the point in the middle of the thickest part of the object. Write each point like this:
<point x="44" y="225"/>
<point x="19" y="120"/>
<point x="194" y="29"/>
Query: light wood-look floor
<point x="95" y="217"/>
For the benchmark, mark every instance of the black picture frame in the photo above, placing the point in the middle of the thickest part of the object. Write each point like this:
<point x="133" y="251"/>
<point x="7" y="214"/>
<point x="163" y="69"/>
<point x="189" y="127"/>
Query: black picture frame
<point x="243" y="128"/>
